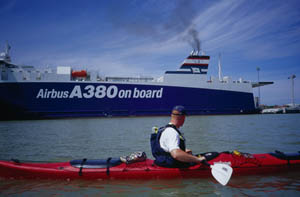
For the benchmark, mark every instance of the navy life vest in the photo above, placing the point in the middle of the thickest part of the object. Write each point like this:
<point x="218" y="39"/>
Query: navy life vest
<point x="163" y="158"/>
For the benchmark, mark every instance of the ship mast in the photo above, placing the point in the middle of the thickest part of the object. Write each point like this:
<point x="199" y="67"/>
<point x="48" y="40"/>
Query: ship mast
<point x="292" y="79"/>
<point x="220" y="69"/>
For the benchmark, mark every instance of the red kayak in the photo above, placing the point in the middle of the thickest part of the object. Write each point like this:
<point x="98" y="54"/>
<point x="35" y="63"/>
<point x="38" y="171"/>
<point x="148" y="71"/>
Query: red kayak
<point x="242" y="164"/>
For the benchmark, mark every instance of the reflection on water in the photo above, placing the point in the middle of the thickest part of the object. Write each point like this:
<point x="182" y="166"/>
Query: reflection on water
<point x="284" y="184"/>
<point x="63" y="140"/>
<point x="281" y="185"/>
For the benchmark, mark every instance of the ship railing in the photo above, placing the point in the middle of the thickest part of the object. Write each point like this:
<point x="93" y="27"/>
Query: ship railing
<point x="129" y="79"/>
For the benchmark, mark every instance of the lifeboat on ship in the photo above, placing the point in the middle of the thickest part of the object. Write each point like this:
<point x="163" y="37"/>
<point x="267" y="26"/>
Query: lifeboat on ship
<point x="79" y="73"/>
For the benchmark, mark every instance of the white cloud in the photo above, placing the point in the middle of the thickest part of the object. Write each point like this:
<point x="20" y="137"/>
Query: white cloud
<point x="248" y="32"/>
<point x="242" y="25"/>
<point x="257" y="32"/>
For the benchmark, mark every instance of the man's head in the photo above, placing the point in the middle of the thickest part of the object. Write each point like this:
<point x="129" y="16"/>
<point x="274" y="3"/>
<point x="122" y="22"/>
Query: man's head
<point x="178" y="116"/>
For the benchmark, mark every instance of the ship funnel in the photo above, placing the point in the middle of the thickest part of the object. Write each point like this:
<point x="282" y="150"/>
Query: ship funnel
<point x="198" y="64"/>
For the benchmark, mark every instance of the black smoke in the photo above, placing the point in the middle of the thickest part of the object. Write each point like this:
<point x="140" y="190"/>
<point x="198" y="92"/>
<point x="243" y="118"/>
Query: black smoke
<point x="193" y="39"/>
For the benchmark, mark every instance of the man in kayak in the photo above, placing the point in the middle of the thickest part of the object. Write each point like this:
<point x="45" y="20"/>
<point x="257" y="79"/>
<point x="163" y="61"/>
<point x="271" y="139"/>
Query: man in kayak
<point x="168" y="143"/>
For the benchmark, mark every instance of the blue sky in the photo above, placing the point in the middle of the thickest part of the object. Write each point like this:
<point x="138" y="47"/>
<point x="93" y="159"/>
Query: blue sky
<point x="143" y="37"/>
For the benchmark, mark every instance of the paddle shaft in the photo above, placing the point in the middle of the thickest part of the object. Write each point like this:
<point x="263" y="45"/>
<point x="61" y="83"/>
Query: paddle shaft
<point x="206" y="163"/>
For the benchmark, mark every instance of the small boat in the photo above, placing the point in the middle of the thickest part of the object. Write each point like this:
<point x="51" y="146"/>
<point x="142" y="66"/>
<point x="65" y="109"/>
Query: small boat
<point x="102" y="169"/>
<point x="273" y="111"/>
<point x="292" y="109"/>
<point x="81" y="73"/>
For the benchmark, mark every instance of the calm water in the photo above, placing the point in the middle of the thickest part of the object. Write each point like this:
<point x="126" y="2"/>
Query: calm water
<point x="63" y="140"/>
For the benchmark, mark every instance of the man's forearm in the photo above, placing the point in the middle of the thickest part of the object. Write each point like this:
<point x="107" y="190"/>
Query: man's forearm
<point x="182" y="156"/>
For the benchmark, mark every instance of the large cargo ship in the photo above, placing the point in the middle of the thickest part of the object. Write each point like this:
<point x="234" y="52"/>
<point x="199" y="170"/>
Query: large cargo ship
<point x="28" y="92"/>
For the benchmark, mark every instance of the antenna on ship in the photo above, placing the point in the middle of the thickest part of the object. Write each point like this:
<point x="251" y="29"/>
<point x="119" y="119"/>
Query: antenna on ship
<point x="220" y="69"/>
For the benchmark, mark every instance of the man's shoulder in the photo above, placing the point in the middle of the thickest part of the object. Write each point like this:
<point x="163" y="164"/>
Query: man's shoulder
<point x="170" y="131"/>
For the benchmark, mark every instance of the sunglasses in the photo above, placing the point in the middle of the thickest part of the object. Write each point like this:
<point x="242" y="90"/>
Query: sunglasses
<point x="182" y="114"/>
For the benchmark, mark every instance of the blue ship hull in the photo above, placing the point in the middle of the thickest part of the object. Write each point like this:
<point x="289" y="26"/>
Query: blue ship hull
<point x="32" y="100"/>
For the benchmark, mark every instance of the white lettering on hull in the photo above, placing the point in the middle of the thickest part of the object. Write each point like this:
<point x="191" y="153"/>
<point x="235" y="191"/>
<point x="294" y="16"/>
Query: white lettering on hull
<point x="101" y="91"/>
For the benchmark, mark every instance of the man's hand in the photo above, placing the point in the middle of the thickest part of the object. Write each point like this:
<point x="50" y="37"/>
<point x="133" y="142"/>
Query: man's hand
<point x="189" y="151"/>
<point x="202" y="158"/>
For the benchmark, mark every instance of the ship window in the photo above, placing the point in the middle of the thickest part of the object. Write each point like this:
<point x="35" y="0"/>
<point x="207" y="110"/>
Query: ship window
<point x="195" y="70"/>
<point x="4" y="75"/>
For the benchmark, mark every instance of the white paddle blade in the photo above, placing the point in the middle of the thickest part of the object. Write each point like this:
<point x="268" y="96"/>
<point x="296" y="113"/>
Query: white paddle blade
<point x="221" y="172"/>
